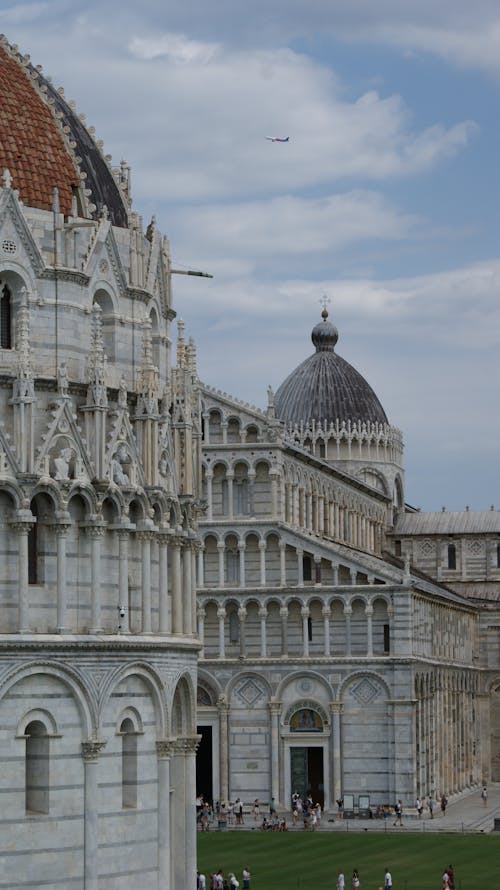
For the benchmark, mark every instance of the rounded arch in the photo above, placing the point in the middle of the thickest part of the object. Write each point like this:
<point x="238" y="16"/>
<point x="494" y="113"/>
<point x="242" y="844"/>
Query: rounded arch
<point x="84" y="696"/>
<point x="210" y="685"/>
<point x="313" y="675"/>
<point x="132" y="714"/>
<point x="13" y="491"/>
<point x="183" y="716"/>
<point x="153" y="682"/>
<point x="38" y="715"/>
<point x="254" y="676"/>
<point x="306" y="705"/>
<point x="357" y="676"/>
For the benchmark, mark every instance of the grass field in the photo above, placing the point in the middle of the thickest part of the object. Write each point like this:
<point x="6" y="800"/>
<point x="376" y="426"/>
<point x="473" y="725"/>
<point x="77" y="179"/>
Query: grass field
<point x="299" y="861"/>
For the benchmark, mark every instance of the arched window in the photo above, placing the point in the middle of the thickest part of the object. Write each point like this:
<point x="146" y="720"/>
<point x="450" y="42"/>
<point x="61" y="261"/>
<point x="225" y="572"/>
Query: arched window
<point x="234" y="627"/>
<point x="309" y="629"/>
<point x="232" y="567"/>
<point x="452" y="556"/>
<point x="129" y="764"/>
<point x="33" y="572"/>
<point x="6" y="319"/>
<point x="37" y="768"/>
<point x="240" y="497"/>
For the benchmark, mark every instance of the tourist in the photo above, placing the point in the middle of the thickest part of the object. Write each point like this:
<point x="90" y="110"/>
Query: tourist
<point x="341" y="880"/>
<point x="451" y="877"/>
<point x="398" y="809"/>
<point x="445" y="881"/>
<point x="387" y="879"/>
<point x="201" y="881"/>
<point x="256" y="809"/>
<point x="444" y="804"/>
<point x="246" y="878"/>
<point x="419" y="808"/>
<point x="355" y="879"/>
<point x="340" y="808"/>
<point x="484" y="796"/>
<point x="431" y="807"/>
<point x="233" y="882"/>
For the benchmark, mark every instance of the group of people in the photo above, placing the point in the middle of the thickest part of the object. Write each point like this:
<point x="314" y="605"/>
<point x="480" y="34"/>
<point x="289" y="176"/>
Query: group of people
<point x="231" y="812"/>
<point x="219" y="881"/>
<point x="355" y="882"/>
<point x="306" y="811"/>
<point x="448" y="879"/>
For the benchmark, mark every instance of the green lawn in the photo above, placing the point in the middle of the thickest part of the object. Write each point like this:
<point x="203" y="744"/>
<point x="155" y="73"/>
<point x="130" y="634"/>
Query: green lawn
<point x="300" y="861"/>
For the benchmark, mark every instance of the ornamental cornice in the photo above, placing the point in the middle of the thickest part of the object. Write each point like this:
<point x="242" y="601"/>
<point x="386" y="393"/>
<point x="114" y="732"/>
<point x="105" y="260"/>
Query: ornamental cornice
<point x="64" y="274"/>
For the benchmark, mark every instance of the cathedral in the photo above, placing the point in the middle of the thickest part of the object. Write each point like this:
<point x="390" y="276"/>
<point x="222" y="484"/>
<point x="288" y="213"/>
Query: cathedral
<point x="199" y="596"/>
<point x="350" y="643"/>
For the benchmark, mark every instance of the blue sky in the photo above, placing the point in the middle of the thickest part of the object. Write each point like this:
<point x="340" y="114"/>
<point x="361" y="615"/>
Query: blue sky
<point x="386" y="198"/>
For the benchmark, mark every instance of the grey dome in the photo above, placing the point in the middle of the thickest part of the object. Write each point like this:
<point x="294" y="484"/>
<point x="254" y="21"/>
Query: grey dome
<point x="326" y="387"/>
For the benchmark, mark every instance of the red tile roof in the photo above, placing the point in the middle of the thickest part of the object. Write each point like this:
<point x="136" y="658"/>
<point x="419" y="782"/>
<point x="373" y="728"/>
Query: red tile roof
<point x="31" y="146"/>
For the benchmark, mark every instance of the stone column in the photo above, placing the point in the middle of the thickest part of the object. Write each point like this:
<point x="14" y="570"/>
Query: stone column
<point x="193" y="588"/>
<point x="263" y="637"/>
<point x="145" y="539"/>
<point x="176" y="588"/>
<point x="284" y="630"/>
<point x="230" y="502"/>
<point x="275" y="710"/>
<point x="90" y="753"/>
<point x="300" y="567"/>
<point x="274" y="494"/>
<point x="336" y="711"/>
<point x="223" y="708"/>
<point x="61" y="532"/>
<point x="221" y="547"/>
<point x="262" y="548"/>
<point x="223" y="427"/>
<point x="123" y="605"/>
<point x="209" y="478"/>
<point x="190" y="746"/>
<point x="321" y="514"/>
<point x="186" y="589"/>
<point x="251" y="492"/>
<point x="201" y="628"/>
<point x="353" y="573"/>
<point x="335" y="574"/>
<point x="95" y="533"/>
<point x="326" y="628"/>
<point x="282" y="546"/>
<point x="317" y="570"/>
<point x="305" y="631"/>
<point x="201" y="572"/>
<point x="241" y="555"/>
<point x="164" y="616"/>
<point x="288" y="503"/>
<point x="23" y="528"/>
<point x="242" y="614"/>
<point x="347" y="613"/>
<point x="164" y="749"/>
<point x="221" y="615"/>
<point x="369" y="628"/>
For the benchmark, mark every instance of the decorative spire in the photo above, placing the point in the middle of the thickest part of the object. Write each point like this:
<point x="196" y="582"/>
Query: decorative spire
<point x="97" y="362"/>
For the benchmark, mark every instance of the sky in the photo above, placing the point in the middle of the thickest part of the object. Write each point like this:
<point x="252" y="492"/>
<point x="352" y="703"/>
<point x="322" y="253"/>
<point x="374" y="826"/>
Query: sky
<point x="386" y="199"/>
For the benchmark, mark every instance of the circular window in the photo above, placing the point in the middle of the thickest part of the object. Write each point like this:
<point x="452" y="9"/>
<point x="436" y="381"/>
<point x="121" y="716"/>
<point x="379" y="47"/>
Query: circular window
<point x="9" y="246"/>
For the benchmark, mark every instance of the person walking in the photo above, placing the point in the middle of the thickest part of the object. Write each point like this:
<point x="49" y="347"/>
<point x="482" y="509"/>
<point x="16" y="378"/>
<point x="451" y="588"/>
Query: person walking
<point x="451" y="877"/>
<point x="246" y="878"/>
<point x="444" y="804"/>
<point x="341" y="880"/>
<point x="398" y="809"/>
<point x="484" y="796"/>
<point x="419" y="808"/>
<point x="387" y="879"/>
<point x="431" y="807"/>
<point x="355" y="879"/>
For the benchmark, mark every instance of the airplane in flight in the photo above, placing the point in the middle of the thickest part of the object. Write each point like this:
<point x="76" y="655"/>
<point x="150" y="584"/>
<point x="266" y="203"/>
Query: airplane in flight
<point x="278" y="138"/>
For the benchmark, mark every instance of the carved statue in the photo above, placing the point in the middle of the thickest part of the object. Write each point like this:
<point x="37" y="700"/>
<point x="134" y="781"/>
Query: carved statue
<point x="120" y="459"/>
<point x="62" y="379"/>
<point x="61" y="464"/>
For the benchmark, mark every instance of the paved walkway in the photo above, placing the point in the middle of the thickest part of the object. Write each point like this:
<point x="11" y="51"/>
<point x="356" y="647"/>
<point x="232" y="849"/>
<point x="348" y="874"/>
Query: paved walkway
<point x="466" y="814"/>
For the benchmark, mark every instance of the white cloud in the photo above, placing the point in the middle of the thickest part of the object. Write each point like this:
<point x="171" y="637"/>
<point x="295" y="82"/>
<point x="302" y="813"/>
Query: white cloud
<point x="175" y="47"/>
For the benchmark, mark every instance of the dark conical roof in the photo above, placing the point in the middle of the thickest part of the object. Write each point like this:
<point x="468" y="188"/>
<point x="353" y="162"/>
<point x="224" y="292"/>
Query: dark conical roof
<point x="326" y="387"/>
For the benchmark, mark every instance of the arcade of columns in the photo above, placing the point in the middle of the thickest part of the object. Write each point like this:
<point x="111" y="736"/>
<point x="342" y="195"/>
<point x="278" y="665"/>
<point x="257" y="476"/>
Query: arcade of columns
<point x="175" y="555"/>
